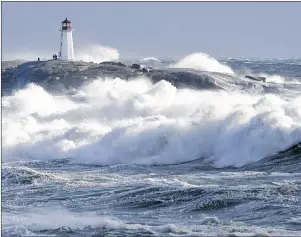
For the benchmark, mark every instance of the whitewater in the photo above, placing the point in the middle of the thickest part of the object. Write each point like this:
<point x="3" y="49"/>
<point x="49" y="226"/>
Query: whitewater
<point x="177" y="147"/>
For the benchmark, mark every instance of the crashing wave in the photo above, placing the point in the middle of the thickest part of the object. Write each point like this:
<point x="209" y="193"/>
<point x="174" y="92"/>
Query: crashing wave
<point x="138" y="121"/>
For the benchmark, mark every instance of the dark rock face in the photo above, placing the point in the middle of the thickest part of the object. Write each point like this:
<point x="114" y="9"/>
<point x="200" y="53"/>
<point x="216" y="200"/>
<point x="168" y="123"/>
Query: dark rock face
<point x="113" y="63"/>
<point x="135" y="66"/>
<point x="256" y="78"/>
<point x="56" y="75"/>
<point x="145" y="69"/>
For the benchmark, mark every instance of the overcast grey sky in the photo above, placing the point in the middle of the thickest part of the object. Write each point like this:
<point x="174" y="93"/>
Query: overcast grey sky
<point x="162" y="29"/>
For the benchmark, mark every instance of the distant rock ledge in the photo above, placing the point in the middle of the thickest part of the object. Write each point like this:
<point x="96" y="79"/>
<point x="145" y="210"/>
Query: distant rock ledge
<point x="56" y="76"/>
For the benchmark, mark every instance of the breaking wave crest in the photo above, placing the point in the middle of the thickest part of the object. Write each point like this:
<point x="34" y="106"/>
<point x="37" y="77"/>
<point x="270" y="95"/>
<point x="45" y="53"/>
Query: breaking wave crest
<point x="203" y="62"/>
<point x="44" y="222"/>
<point x="21" y="175"/>
<point x="279" y="79"/>
<point x="109" y="121"/>
<point x="96" y="53"/>
<point x="147" y="59"/>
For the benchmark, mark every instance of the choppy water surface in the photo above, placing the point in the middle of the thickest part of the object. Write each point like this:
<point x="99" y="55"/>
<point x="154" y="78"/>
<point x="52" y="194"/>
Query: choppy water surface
<point x="184" y="149"/>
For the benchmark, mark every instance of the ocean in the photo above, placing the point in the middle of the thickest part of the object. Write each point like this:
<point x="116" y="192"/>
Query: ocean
<point x="173" y="147"/>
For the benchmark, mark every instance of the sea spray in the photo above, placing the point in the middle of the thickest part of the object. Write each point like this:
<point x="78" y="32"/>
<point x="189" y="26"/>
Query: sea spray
<point x="203" y="62"/>
<point x="137" y="121"/>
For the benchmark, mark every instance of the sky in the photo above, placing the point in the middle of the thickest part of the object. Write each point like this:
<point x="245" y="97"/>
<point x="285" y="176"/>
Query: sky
<point x="157" y="29"/>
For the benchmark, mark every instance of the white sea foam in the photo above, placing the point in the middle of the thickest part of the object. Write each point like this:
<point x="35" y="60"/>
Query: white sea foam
<point x="203" y="62"/>
<point x="96" y="53"/>
<point x="136" y="121"/>
<point x="151" y="59"/>
<point x="279" y="79"/>
<point x="49" y="220"/>
<point x="61" y="220"/>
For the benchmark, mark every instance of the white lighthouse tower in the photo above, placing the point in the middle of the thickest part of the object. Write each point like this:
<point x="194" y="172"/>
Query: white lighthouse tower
<point x="66" y="47"/>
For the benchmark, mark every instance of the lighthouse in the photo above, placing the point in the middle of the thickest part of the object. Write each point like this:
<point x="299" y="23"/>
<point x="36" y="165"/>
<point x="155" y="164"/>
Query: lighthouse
<point x="66" y="47"/>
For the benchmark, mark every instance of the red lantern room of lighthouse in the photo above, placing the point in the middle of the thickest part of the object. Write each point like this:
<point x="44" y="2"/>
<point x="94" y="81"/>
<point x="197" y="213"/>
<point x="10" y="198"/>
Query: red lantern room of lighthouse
<point x="66" y="24"/>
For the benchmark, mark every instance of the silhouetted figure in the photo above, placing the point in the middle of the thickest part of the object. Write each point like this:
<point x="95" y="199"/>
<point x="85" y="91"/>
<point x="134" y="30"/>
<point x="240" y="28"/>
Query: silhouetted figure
<point x="53" y="56"/>
<point x="38" y="59"/>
